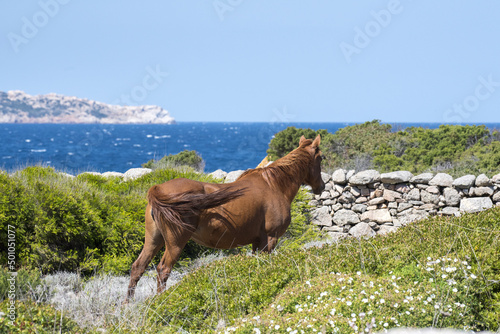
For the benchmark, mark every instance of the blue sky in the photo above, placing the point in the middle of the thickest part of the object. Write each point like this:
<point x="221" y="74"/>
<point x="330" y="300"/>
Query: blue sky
<point x="281" y="60"/>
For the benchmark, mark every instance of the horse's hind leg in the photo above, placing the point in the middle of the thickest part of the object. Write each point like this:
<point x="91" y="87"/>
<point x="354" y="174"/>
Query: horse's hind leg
<point x="175" y="241"/>
<point x="152" y="244"/>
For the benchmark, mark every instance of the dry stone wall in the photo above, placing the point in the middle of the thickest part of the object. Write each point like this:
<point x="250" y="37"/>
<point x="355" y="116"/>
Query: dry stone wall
<point x="368" y="203"/>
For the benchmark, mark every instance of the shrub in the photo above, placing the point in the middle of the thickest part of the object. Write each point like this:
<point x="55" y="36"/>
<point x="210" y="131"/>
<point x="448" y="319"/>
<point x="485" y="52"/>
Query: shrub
<point x="185" y="158"/>
<point x="287" y="140"/>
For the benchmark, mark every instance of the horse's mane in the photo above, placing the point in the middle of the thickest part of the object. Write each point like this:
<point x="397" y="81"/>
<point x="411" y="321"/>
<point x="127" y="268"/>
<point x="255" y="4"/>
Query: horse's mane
<point x="286" y="170"/>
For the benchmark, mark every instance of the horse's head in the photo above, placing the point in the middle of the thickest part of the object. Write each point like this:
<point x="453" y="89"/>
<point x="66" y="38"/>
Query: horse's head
<point x="313" y="177"/>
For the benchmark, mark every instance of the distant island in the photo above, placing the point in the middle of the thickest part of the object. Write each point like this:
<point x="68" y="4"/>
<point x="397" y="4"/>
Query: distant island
<point x="19" y="107"/>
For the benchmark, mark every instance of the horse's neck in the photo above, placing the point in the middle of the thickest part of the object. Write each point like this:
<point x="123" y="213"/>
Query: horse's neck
<point x="289" y="182"/>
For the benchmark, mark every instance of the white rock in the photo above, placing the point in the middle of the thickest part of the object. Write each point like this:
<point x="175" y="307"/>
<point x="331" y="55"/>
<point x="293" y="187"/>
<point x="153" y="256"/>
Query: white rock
<point x="481" y="191"/>
<point x="396" y="177"/>
<point x="135" y="173"/>
<point x="475" y="204"/>
<point x="218" y="174"/>
<point x="321" y="217"/>
<point x="112" y="174"/>
<point x="483" y="181"/>
<point x="339" y="176"/>
<point x="232" y="176"/>
<point x="422" y="178"/>
<point x="411" y="215"/>
<point x="326" y="177"/>
<point x="451" y="196"/>
<point x="380" y="216"/>
<point x="465" y="181"/>
<point x="365" y="177"/>
<point x="345" y="217"/>
<point x="496" y="178"/>
<point x="441" y="180"/>
<point x="362" y="230"/>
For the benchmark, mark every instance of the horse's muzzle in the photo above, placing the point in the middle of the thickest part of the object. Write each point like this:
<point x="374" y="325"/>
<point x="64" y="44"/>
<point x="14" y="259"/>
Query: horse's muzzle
<point x="319" y="190"/>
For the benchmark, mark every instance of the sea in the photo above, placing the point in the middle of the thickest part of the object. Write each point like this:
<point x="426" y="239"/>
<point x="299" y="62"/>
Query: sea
<point x="76" y="148"/>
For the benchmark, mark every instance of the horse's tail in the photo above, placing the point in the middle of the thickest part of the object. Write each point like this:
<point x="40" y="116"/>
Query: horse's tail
<point x="172" y="208"/>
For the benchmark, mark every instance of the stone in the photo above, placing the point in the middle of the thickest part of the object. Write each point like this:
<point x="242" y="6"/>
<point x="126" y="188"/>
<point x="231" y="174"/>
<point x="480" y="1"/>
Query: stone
<point x="496" y="178"/>
<point x="412" y="215"/>
<point x="380" y="216"/>
<point x="346" y="197"/>
<point x="314" y="202"/>
<point x="112" y="174"/>
<point x="232" y="176"/>
<point x="496" y="197"/>
<point x="427" y="197"/>
<point x="433" y="190"/>
<point x="428" y="207"/>
<point x="339" y="189"/>
<point x="359" y="208"/>
<point x="334" y="193"/>
<point x="333" y="228"/>
<point x="347" y="205"/>
<point x="396" y="177"/>
<point x="391" y="196"/>
<point x="339" y="176"/>
<point x="376" y="201"/>
<point x="451" y="196"/>
<point x="416" y="202"/>
<point x="386" y="229"/>
<point x="218" y="174"/>
<point x="413" y="195"/>
<point x="349" y="173"/>
<point x="355" y="191"/>
<point x="393" y="205"/>
<point x="325" y="195"/>
<point x="393" y="212"/>
<point x="483" y="181"/>
<point x="481" y="191"/>
<point x="325" y="177"/>
<point x="328" y="186"/>
<point x="402" y="188"/>
<point x="450" y="211"/>
<point x="337" y="207"/>
<point x="465" y="181"/>
<point x="365" y="192"/>
<point x="361" y="200"/>
<point x="135" y="173"/>
<point x="365" y="177"/>
<point x="422" y="178"/>
<point x="329" y="202"/>
<point x="362" y="230"/>
<point x="321" y="217"/>
<point x="475" y="204"/>
<point x="345" y="217"/>
<point x="441" y="180"/>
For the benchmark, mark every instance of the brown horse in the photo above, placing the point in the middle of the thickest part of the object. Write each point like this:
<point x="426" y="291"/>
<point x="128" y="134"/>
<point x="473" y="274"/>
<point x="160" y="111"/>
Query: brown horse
<point x="254" y="209"/>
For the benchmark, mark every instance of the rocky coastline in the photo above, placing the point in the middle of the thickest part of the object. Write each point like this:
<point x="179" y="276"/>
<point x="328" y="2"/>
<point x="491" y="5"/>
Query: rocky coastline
<point x="19" y="107"/>
<point x="368" y="203"/>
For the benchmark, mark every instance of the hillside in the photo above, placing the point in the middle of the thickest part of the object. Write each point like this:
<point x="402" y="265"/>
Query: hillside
<point x="19" y="107"/>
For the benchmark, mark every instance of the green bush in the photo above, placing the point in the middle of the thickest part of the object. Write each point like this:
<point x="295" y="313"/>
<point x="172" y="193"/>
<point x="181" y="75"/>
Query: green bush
<point x="32" y="317"/>
<point x="184" y="158"/>
<point x="85" y="223"/>
<point x="454" y="149"/>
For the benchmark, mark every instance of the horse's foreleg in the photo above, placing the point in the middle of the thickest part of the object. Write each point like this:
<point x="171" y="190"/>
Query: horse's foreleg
<point x="266" y="244"/>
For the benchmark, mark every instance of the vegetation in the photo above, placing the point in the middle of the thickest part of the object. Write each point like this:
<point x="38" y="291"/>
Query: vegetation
<point x="455" y="149"/>
<point x="184" y="158"/>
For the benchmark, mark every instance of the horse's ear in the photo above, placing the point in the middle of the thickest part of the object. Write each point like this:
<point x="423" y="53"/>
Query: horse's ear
<point x="317" y="141"/>
<point x="302" y="139"/>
